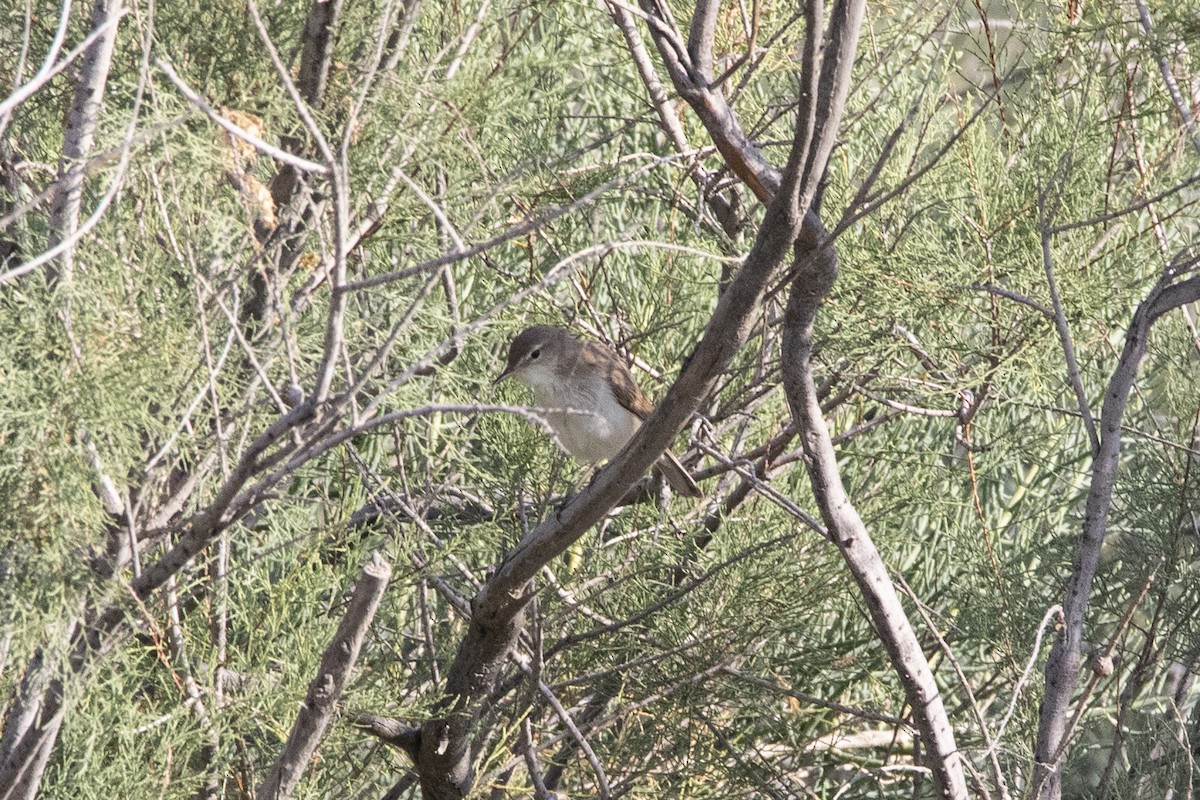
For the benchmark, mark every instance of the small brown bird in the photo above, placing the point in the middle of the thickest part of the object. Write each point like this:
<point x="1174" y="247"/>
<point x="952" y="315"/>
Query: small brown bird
<point x="589" y="397"/>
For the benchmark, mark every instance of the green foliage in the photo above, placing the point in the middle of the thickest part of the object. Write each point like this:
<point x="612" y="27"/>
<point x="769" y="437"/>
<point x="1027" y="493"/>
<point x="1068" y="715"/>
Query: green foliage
<point x="677" y="632"/>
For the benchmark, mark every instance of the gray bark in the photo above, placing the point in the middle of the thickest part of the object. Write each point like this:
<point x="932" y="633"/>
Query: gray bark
<point x="1063" y="663"/>
<point x="846" y="528"/>
<point x="86" y="103"/>
<point x="323" y="692"/>
<point x="824" y="88"/>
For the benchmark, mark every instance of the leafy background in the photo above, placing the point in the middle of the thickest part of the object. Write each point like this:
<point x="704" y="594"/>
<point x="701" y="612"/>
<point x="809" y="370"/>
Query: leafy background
<point x="690" y="624"/>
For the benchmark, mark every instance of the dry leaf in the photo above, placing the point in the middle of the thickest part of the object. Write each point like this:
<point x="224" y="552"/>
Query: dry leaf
<point x="242" y="153"/>
<point x="260" y="201"/>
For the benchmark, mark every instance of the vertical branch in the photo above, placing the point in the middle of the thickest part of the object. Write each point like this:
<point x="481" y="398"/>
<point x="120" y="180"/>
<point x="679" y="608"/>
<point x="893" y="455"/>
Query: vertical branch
<point x="339" y="177"/>
<point x="1182" y="107"/>
<point x="1063" y="664"/>
<point x="700" y="38"/>
<point x="81" y="133"/>
<point x="814" y="274"/>
<point x="1064" y="333"/>
<point x="316" y="52"/>
<point x="209" y="789"/>
<point x="33" y="723"/>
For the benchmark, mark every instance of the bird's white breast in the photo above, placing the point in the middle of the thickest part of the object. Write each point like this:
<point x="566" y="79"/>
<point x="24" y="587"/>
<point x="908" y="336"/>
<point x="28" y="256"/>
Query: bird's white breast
<point x="586" y="418"/>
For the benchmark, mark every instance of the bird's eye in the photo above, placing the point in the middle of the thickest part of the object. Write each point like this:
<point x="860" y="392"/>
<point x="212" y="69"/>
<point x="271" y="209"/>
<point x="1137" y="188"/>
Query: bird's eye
<point x="534" y="354"/>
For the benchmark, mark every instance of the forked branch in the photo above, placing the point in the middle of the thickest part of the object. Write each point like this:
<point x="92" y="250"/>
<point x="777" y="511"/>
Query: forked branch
<point x="1063" y="664"/>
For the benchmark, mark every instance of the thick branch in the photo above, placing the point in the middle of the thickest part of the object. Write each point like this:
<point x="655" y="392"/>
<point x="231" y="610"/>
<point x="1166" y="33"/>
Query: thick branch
<point x="81" y="129"/>
<point x="445" y="758"/>
<point x="700" y="38"/>
<point x="323" y="693"/>
<point x="850" y="534"/>
<point x="1062" y="666"/>
<point x="814" y="275"/>
<point x="316" y="56"/>
<point x="317" y="52"/>
<point x="391" y="731"/>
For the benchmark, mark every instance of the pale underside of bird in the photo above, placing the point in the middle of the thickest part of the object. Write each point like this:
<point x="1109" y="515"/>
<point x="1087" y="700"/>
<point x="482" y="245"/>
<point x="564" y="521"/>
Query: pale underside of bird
<point x="586" y="395"/>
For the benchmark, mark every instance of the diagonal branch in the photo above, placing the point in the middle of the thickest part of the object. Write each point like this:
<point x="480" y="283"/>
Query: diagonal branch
<point x="1059" y="318"/>
<point x="814" y="276"/>
<point x="233" y="129"/>
<point x="1182" y="106"/>
<point x="445" y="759"/>
<point x="319" y="706"/>
<point x="743" y="157"/>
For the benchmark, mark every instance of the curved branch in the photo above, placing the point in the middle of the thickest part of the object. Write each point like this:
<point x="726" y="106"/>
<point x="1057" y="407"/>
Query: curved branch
<point x="735" y="147"/>
<point x="813" y="276"/>
<point x="445" y="761"/>
<point x="1063" y="664"/>
<point x="817" y="270"/>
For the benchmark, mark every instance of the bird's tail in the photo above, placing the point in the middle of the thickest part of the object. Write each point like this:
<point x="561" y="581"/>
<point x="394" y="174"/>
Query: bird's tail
<point x="679" y="479"/>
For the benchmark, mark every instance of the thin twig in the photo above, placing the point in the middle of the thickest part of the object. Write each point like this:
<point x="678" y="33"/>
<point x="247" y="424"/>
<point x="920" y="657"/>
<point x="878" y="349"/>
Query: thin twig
<point x="274" y="152"/>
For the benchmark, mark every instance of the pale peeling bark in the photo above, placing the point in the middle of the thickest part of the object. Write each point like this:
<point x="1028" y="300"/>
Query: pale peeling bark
<point x="33" y="720"/>
<point x="86" y="103"/>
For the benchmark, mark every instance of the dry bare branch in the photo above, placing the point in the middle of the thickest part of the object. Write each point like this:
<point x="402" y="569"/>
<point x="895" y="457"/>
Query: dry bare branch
<point x="1063" y="663"/>
<point x="274" y="152"/>
<point x="86" y="102"/>
<point x="321" y="702"/>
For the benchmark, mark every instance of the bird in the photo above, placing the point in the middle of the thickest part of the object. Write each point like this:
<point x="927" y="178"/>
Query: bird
<point x="591" y="402"/>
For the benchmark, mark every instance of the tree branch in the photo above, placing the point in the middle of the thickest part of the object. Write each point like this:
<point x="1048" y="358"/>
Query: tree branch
<point x="850" y="534"/>
<point x="1063" y="663"/>
<point x="81" y="130"/>
<point x="1059" y="318"/>
<point x="323" y="693"/>
<point x="445" y="762"/>
<point x="813" y="276"/>
<point x="742" y="156"/>
<point x="1182" y="106"/>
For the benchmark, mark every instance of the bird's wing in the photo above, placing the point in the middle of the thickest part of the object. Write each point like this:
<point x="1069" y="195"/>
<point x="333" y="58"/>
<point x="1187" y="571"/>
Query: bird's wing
<point x="627" y="392"/>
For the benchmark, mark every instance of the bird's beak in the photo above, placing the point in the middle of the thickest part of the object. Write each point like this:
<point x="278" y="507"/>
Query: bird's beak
<point x="507" y="371"/>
